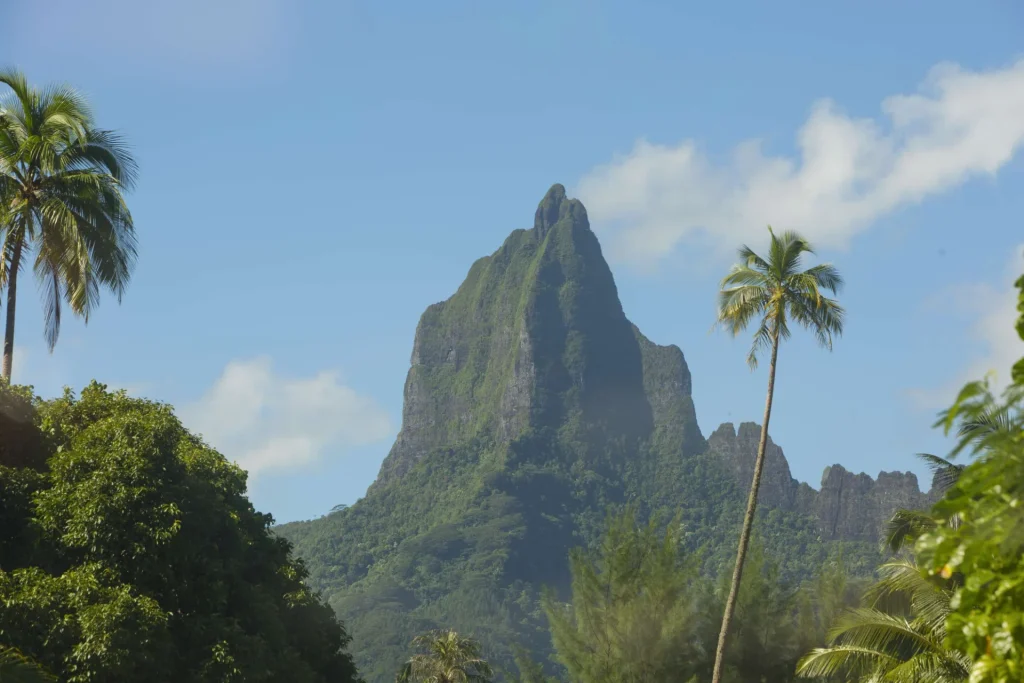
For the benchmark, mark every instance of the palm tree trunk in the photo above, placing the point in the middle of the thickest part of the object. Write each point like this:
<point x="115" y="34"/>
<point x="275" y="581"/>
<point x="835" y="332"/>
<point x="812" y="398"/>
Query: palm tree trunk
<point x="12" y="293"/>
<point x="748" y="519"/>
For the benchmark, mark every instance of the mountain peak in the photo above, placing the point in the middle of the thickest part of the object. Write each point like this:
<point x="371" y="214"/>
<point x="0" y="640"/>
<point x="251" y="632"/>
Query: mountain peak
<point x="555" y="207"/>
<point x="535" y="340"/>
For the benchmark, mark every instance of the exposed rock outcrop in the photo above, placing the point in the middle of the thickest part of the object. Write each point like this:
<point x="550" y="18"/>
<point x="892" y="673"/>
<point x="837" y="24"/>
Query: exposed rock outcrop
<point x="848" y="506"/>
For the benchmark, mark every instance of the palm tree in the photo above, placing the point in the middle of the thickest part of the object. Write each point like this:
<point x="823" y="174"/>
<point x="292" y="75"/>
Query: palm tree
<point x="61" y="194"/>
<point x="981" y="421"/>
<point x="898" y="638"/>
<point x="447" y="657"/>
<point x="773" y="291"/>
<point x="17" y="668"/>
<point x="880" y="642"/>
<point x="906" y="526"/>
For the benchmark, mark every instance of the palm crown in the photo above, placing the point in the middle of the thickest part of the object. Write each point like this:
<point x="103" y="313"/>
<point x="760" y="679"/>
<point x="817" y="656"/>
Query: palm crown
<point x="776" y="290"/>
<point x="61" y="194"/>
<point x="447" y="658"/>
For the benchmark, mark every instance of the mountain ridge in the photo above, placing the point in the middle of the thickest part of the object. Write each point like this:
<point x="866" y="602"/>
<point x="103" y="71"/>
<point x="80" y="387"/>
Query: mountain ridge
<point x="532" y="407"/>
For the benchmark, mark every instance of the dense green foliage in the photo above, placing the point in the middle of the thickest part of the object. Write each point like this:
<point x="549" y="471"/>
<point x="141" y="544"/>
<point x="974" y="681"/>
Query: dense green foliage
<point x="978" y="534"/>
<point x="958" y="617"/>
<point x="642" y="611"/>
<point x="133" y="554"/>
<point x="461" y="546"/>
<point x="62" y="181"/>
<point x="533" y="408"/>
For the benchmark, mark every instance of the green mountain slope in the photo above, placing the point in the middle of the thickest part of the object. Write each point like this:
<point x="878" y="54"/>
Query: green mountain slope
<point x="532" y="408"/>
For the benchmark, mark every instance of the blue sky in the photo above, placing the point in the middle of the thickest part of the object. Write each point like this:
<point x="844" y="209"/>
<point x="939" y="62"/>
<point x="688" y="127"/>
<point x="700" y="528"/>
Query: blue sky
<point x="314" y="174"/>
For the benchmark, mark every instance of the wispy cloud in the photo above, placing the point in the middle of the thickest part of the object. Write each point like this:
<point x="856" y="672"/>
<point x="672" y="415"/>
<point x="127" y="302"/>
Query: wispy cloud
<point x="35" y="366"/>
<point x="182" y="33"/>
<point x="994" y="316"/>
<point x="848" y="172"/>
<point x="264" y="421"/>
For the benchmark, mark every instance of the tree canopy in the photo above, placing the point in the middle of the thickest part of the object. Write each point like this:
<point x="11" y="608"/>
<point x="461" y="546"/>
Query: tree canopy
<point x="134" y="554"/>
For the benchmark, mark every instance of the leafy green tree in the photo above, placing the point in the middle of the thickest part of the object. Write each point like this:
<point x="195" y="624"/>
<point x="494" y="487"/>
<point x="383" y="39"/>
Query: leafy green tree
<point x="445" y="657"/>
<point x="977" y="531"/>
<point x="822" y="600"/>
<point x="638" y="610"/>
<point x="61" y="194"/>
<point x="765" y="640"/>
<point x="967" y="598"/>
<point x="17" y="668"/>
<point x="137" y="556"/>
<point x="772" y="291"/>
<point x="529" y="671"/>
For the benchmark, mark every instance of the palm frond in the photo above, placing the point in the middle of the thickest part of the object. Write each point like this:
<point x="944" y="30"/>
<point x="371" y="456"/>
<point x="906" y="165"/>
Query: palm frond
<point x="827" y="276"/>
<point x="825" y="662"/>
<point x="899" y="637"/>
<point x="905" y="527"/>
<point x="929" y="603"/>
<point x="750" y="259"/>
<point x="20" y="90"/>
<point x="944" y="473"/>
<point x="762" y="342"/>
<point x="17" y="668"/>
<point x="737" y="306"/>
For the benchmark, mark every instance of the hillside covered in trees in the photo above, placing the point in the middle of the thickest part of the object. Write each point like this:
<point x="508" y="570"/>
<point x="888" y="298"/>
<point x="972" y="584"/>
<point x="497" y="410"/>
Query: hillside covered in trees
<point x="533" y="407"/>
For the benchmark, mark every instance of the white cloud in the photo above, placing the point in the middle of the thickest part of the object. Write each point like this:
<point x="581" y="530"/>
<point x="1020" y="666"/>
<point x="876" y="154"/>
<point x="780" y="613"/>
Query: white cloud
<point x="199" y="33"/>
<point x="265" y="421"/>
<point x="849" y="171"/>
<point x="993" y="330"/>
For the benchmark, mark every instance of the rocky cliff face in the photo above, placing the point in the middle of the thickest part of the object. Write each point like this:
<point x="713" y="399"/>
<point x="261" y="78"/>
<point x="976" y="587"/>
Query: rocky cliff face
<point x="855" y="506"/>
<point x="848" y="506"/>
<point x="534" y="339"/>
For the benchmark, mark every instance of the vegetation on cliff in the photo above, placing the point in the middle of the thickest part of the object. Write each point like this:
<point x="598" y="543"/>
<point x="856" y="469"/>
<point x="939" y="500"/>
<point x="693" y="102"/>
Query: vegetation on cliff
<point x="533" y="407"/>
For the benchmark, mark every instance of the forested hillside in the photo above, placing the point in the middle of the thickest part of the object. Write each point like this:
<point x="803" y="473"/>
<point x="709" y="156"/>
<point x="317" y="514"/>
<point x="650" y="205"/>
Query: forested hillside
<point x="533" y="409"/>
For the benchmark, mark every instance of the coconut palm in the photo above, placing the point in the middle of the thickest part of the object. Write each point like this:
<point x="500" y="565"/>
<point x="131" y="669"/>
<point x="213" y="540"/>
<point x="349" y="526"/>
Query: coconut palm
<point x="446" y="657"/>
<point x="981" y="419"/>
<point x="898" y="638"/>
<point x="61" y="197"/>
<point x="906" y="526"/>
<point x="17" y="668"/>
<point x="772" y="291"/>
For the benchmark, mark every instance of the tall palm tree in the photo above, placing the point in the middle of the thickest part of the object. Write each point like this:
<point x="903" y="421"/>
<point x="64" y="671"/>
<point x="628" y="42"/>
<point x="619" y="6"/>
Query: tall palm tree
<point x="447" y="657"/>
<point x="17" y="668"/>
<point x="61" y="195"/>
<point x="898" y="638"/>
<point x="772" y="291"/>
